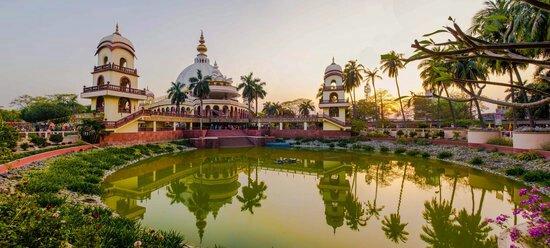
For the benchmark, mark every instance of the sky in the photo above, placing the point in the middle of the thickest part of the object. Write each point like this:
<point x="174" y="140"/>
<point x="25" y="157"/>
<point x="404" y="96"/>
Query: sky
<point x="48" y="46"/>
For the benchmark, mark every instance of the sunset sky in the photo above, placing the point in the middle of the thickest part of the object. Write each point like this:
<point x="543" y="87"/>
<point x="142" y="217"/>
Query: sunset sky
<point x="48" y="46"/>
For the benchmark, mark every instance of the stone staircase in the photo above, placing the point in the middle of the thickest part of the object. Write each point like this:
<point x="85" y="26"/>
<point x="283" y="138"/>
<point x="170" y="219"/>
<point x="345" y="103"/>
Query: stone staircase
<point x="225" y="133"/>
<point x="234" y="142"/>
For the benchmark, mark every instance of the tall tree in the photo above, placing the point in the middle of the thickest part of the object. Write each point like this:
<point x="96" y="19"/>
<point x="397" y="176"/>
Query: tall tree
<point x="248" y="87"/>
<point x="259" y="93"/>
<point x="353" y="77"/>
<point x="392" y="62"/>
<point x="372" y="75"/>
<point x="470" y="69"/>
<point x="176" y="95"/>
<point x="200" y="86"/>
<point x="305" y="107"/>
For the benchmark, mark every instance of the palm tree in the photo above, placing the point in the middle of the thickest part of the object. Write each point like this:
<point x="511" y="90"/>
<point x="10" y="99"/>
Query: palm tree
<point x="248" y="86"/>
<point x="391" y="64"/>
<point x="272" y="108"/>
<point x="372" y="209"/>
<point x="372" y="75"/>
<point x="176" y="95"/>
<point x="353" y="76"/>
<point x="320" y="92"/>
<point x="200" y="86"/>
<point x="430" y="75"/>
<point x="305" y="107"/>
<point x="259" y="92"/>
<point x="471" y="70"/>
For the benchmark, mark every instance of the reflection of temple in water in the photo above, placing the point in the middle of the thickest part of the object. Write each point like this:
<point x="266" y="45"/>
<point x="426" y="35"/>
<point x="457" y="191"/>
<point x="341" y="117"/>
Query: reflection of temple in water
<point x="335" y="189"/>
<point x="205" y="181"/>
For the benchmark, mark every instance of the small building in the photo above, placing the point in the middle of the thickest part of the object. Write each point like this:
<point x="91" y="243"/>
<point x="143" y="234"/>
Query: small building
<point x="333" y="103"/>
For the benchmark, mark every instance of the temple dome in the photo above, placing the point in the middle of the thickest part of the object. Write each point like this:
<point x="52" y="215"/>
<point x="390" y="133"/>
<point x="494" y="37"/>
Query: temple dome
<point x="115" y="40"/>
<point x="333" y="67"/>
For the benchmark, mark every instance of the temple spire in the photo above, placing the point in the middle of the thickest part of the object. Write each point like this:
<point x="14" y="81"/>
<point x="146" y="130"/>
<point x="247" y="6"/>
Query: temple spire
<point x="333" y="60"/>
<point x="116" y="28"/>
<point x="201" y="48"/>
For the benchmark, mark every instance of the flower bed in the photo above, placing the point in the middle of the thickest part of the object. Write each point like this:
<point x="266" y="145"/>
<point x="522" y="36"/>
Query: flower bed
<point x="58" y="206"/>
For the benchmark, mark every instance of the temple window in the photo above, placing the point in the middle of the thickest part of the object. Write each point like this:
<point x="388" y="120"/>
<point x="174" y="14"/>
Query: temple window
<point x="124" y="105"/>
<point x="333" y="97"/>
<point x="333" y="112"/>
<point x="122" y="62"/>
<point x="125" y="82"/>
<point x="105" y="60"/>
<point x="100" y="80"/>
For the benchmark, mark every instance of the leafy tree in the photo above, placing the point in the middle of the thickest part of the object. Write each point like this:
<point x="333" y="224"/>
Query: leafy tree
<point x="91" y="130"/>
<point x="471" y="69"/>
<point x="8" y="136"/>
<point x="259" y="93"/>
<point x="200" y="86"/>
<point x="392" y="62"/>
<point x="56" y="108"/>
<point x="56" y="138"/>
<point x="176" y="95"/>
<point x="366" y="108"/>
<point x="10" y="115"/>
<point x="305" y="107"/>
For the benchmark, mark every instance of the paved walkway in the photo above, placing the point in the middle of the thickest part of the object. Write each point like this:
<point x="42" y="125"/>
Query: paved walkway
<point x="42" y="156"/>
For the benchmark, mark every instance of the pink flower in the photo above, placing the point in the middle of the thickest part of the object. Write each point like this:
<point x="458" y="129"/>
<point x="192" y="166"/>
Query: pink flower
<point x="514" y="234"/>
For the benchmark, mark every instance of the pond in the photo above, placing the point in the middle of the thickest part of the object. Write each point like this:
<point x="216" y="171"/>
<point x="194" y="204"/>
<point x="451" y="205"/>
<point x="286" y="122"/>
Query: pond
<point x="269" y="197"/>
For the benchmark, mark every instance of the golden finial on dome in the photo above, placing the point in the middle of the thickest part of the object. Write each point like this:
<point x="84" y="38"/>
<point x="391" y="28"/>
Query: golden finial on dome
<point x="201" y="48"/>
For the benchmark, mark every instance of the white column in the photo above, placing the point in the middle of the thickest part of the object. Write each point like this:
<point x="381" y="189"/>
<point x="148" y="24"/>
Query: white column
<point x="154" y="126"/>
<point x="190" y="125"/>
<point x="280" y="126"/>
<point x="174" y="126"/>
<point x="259" y="125"/>
<point x="305" y="125"/>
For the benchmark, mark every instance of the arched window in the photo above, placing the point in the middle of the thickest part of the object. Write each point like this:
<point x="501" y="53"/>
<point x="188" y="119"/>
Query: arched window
<point x="124" y="105"/>
<point x="122" y="62"/>
<point x="216" y="110"/>
<point x="100" y="80"/>
<point x="207" y="110"/>
<point x="333" y="112"/>
<point x="125" y="82"/>
<point x="100" y="104"/>
<point x="333" y="84"/>
<point x="105" y="60"/>
<point x="333" y="97"/>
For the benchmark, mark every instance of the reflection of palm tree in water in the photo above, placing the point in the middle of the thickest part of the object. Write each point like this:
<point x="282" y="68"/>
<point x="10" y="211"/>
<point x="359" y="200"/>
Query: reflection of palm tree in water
<point x="175" y="192"/>
<point x="253" y="193"/>
<point x="372" y="209"/>
<point x="392" y="226"/>
<point x="354" y="209"/>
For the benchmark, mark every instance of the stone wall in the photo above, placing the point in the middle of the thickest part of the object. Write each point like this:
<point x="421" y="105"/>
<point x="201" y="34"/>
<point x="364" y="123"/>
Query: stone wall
<point x="299" y="133"/>
<point x="140" y="137"/>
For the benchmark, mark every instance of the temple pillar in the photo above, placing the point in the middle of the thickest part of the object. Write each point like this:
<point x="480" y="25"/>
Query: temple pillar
<point x="174" y="126"/>
<point x="305" y="125"/>
<point x="154" y="126"/>
<point x="280" y="126"/>
<point x="190" y="125"/>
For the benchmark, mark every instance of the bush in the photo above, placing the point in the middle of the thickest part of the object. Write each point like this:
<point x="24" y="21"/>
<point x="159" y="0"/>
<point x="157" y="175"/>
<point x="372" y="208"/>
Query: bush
<point x="8" y="135"/>
<point x="56" y="138"/>
<point x="331" y="145"/>
<point x="425" y="154"/>
<point x="49" y="200"/>
<point x="37" y="140"/>
<point x="413" y="153"/>
<point x="400" y="150"/>
<point x="399" y="133"/>
<point x="477" y="161"/>
<point x="444" y="155"/>
<point x="440" y="134"/>
<point x="384" y="149"/>
<point x="368" y="148"/>
<point x="516" y="171"/>
<point x="536" y="176"/>
<point x="386" y="132"/>
<point x="422" y="142"/>
<point x="500" y="141"/>
<point x="528" y="156"/>
<point x="24" y="146"/>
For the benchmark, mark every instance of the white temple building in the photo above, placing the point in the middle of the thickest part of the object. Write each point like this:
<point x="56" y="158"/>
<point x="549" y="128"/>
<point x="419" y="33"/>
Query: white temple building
<point x="223" y="99"/>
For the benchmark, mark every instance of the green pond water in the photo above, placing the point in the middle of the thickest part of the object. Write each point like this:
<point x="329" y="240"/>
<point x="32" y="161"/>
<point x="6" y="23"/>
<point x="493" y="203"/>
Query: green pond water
<point x="244" y="198"/>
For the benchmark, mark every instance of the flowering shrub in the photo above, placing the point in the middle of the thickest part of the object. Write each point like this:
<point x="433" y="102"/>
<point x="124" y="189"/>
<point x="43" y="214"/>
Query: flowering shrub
<point x="535" y="210"/>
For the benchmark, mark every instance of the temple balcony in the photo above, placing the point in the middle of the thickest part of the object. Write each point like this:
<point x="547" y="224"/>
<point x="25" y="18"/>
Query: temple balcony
<point x="113" y="90"/>
<point x="115" y="67"/>
<point x="333" y="103"/>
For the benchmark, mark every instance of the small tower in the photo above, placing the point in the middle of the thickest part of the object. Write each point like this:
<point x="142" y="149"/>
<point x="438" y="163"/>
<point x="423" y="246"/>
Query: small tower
<point x="333" y="102"/>
<point x="115" y="91"/>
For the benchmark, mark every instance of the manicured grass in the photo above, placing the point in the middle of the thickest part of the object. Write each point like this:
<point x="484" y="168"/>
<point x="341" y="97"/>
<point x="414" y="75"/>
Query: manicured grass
<point x="37" y="216"/>
<point x="17" y="156"/>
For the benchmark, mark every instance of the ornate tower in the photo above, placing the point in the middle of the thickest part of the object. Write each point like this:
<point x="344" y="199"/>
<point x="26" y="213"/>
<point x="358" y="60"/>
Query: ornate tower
<point x="333" y="102"/>
<point x="114" y="91"/>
